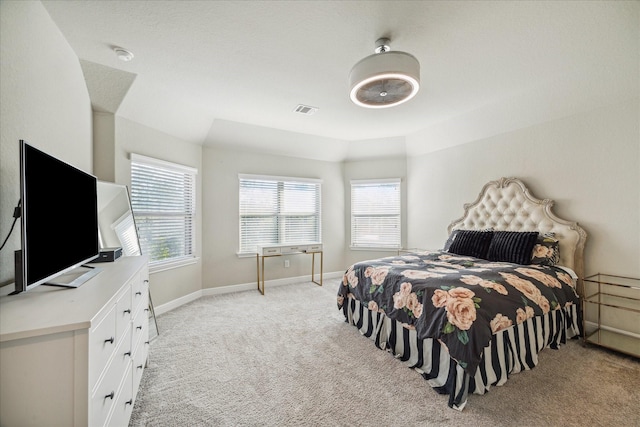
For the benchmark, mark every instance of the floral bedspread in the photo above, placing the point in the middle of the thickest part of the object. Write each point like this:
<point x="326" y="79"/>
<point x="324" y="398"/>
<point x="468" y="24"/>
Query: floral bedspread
<point x="458" y="300"/>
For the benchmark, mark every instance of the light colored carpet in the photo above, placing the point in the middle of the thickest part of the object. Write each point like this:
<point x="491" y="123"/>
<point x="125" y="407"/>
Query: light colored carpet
<point x="288" y="358"/>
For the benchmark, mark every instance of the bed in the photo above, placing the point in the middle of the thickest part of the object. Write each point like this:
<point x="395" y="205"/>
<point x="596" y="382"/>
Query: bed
<point x="505" y="286"/>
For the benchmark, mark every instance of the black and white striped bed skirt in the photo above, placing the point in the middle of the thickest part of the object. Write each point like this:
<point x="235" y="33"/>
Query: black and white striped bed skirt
<point x="510" y="351"/>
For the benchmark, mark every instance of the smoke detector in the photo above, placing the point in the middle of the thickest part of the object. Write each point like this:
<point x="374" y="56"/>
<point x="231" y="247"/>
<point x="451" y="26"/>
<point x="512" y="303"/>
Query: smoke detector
<point x="384" y="79"/>
<point x="123" y="54"/>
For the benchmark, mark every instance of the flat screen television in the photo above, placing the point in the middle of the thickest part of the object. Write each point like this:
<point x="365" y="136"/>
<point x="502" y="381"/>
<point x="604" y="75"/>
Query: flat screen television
<point x="59" y="222"/>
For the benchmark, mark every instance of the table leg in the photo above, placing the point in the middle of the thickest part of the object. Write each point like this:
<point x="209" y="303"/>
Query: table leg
<point x="313" y="266"/>
<point x="258" y="273"/>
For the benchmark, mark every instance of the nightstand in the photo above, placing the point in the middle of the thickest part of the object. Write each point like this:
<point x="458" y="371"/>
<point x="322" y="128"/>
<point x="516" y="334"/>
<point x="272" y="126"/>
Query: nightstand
<point x="608" y="292"/>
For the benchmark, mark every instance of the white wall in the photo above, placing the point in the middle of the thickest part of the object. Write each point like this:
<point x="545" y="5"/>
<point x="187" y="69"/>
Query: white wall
<point x="588" y="163"/>
<point x="220" y="231"/>
<point x="131" y="137"/>
<point x="43" y="100"/>
<point x="104" y="146"/>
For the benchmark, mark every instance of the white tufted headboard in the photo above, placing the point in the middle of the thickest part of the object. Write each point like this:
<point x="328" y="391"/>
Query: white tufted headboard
<point x="508" y="205"/>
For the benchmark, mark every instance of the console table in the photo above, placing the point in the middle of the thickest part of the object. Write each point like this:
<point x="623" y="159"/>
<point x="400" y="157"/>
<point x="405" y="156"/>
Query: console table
<point x="268" y="251"/>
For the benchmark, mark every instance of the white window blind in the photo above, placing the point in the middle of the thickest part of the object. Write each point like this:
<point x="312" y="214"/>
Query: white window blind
<point x="375" y="214"/>
<point x="125" y="229"/>
<point x="276" y="210"/>
<point x="163" y="202"/>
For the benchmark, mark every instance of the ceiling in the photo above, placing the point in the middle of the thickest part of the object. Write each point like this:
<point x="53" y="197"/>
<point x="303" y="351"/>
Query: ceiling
<point x="223" y="73"/>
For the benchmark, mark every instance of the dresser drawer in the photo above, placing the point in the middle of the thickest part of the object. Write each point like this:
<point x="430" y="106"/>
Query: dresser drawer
<point x="269" y="250"/>
<point x="293" y="249"/>
<point x="102" y="344"/>
<point x="106" y="392"/>
<point x="124" y="403"/>
<point x="314" y="248"/>
<point x="124" y="311"/>
<point x="102" y="404"/>
<point x="140" y="326"/>
<point x="140" y="360"/>
<point x="139" y="287"/>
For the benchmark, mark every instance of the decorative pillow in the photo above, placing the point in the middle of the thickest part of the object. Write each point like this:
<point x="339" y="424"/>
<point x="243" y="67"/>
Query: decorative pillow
<point x="450" y="240"/>
<point x="472" y="243"/>
<point x="453" y="234"/>
<point x="512" y="246"/>
<point x="546" y="251"/>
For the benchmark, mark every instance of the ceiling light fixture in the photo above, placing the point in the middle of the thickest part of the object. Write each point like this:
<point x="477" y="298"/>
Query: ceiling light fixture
<point x="123" y="54"/>
<point x="384" y="79"/>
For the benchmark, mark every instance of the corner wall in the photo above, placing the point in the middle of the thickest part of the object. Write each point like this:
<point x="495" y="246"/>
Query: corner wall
<point x="132" y="137"/>
<point x="220" y="263"/>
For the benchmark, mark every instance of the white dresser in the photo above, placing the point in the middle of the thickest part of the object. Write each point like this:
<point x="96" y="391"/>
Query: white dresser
<point x="75" y="357"/>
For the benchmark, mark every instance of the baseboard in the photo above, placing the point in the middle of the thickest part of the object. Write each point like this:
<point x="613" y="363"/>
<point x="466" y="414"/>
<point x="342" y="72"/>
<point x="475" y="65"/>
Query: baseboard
<point x="220" y="290"/>
<point x="171" y="305"/>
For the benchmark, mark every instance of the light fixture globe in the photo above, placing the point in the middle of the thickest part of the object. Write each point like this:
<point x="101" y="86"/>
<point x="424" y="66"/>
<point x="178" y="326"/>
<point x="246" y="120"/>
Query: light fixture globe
<point x="384" y="79"/>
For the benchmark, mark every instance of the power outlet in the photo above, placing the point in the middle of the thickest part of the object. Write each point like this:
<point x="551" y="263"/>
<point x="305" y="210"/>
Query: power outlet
<point x="286" y="263"/>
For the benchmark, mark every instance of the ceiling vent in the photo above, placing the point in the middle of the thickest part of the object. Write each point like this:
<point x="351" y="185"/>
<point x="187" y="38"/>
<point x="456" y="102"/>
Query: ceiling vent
<point x="385" y="78"/>
<point x="305" y="109"/>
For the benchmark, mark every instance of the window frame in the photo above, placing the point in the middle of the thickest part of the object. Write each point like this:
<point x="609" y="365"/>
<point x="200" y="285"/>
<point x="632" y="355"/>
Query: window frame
<point x="244" y="251"/>
<point x="356" y="243"/>
<point x="190" y="240"/>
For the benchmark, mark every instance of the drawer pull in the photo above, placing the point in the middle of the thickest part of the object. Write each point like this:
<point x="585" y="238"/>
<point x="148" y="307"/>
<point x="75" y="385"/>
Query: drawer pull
<point x="110" y="396"/>
<point x="138" y="293"/>
<point x="138" y="327"/>
<point x="129" y="402"/>
<point x="127" y="311"/>
<point x="146" y="309"/>
<point x="146" y="342"/>
<point x="128" y="353"/>
<point x="139" y="367"/>
<point x="110" y="340"/>
<point x="146" y="281"/>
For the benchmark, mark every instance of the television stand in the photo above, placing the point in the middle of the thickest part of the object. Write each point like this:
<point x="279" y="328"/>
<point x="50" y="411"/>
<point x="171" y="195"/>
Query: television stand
<point x="71" y="279"/>
<point x="74" y="278"/>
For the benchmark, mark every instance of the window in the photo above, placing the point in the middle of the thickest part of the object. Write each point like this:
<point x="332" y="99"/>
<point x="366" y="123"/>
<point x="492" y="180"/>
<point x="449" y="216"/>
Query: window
<point x="276" y="210"/>
<point x="375" y="214"/>
<point x="163" y="202"/>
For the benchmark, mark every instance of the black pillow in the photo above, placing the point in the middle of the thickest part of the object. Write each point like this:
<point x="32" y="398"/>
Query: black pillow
<point x="472" y="243"/>
<point x="512" y="246"/>
<point x="450" y="240"/>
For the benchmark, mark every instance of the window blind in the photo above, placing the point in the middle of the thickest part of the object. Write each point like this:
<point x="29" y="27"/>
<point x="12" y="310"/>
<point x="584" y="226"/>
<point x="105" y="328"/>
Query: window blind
<point x="163" y="203"/>
<point x="125" y="229"/>
<point x="375" y="214"/>
<point x="277" y="210"/>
